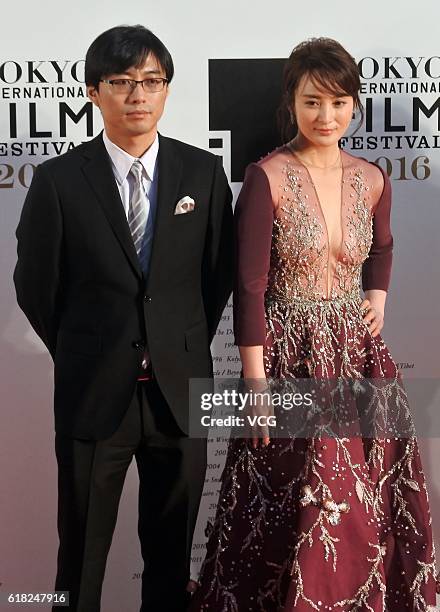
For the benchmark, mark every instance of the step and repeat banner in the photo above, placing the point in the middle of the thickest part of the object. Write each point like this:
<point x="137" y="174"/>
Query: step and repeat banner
<point x="228" y="61"/>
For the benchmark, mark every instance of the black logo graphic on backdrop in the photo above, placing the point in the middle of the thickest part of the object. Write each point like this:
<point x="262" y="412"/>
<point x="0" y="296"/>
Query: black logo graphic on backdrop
<point x="244" y="95"/>
<point x="402" y="111"/>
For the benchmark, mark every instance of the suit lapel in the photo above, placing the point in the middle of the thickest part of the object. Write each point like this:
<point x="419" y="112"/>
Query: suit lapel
<point x="99" y="174"/>
<point x="170" y="175"/>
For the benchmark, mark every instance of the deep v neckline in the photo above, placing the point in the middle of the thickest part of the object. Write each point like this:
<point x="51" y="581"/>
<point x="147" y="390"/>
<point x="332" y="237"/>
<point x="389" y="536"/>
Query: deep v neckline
<point x="337" y="256"/>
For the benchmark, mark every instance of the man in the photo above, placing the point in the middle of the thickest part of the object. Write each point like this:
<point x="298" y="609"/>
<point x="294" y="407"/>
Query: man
<point x="124" y="268"/>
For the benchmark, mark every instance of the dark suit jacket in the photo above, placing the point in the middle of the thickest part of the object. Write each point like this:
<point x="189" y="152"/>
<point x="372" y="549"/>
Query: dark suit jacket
<point x="79" y="282"/>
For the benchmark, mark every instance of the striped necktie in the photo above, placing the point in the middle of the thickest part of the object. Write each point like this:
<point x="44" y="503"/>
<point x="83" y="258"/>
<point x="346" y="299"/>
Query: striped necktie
<point x="137" y="221"/>
<point x="138" y="212"/>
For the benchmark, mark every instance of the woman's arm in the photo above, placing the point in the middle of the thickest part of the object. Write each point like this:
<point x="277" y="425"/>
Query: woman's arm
<point x="253" y="223"/>
<point x="252" y="363"/>
<point x="376" y="270"/>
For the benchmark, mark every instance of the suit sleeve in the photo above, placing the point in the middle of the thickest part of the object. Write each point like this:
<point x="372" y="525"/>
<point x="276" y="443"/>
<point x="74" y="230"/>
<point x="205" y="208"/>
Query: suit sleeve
<point x="253" y="239"/>
<point x="37" y="272"/>
<point x="217" y="270"/>
<point x="376" y="271"/>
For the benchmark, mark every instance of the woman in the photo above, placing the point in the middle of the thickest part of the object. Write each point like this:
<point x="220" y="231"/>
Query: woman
<point x="325" y="522"/>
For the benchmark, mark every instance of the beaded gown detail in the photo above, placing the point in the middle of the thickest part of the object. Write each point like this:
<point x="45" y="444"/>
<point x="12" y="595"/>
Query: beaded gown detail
<point x="331" y="523"/>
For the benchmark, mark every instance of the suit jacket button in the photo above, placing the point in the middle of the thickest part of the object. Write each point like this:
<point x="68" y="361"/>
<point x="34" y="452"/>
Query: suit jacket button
<point x="147" y="298"/>
<point x="137" y="344"/>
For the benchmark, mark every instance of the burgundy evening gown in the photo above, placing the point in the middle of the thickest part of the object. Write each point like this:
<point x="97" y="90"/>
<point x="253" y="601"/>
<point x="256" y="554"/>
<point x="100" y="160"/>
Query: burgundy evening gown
<point x="317" y="523"/>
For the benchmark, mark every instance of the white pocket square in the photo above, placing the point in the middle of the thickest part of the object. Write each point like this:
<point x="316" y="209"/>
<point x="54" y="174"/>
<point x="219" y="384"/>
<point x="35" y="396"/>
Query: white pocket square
<point x="184" y="205"/>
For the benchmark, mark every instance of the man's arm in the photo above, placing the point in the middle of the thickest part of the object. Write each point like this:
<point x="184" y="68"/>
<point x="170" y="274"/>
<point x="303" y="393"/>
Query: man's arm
<point x="217" y="268"/>
<point x="37" y="273"/>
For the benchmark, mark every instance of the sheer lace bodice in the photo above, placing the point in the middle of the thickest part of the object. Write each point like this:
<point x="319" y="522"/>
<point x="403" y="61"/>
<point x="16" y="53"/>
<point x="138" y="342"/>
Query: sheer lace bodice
<point x="283" y="244"/>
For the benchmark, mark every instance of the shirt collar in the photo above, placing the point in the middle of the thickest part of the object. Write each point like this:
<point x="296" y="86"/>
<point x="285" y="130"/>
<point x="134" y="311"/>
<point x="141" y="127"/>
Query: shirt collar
<point x="123" y="161"/>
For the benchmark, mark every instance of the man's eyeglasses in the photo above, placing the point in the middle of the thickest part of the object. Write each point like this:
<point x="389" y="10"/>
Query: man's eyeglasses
<point x="151" y="85"/>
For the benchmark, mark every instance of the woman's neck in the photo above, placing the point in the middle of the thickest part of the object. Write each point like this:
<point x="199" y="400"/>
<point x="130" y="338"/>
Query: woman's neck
<point x="315" y="156"/>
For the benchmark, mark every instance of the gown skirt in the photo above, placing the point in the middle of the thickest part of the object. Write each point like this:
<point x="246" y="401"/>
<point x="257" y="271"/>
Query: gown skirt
<point x="325" y="522"/>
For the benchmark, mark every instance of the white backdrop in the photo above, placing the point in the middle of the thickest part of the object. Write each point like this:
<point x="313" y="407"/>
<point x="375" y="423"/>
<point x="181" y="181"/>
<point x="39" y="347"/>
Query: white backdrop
<point x="31" y="129"/>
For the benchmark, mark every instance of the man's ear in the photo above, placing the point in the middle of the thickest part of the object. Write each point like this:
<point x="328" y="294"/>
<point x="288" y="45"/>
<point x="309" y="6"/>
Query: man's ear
<point x="93" y="94"/>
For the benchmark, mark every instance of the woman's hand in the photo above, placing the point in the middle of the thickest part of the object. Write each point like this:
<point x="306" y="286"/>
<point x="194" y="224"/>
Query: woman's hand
<point x="258" y="413"/>
<point x="260" y="408"/>
<point x="373" y="317"/>
<point x="192" y="586"/>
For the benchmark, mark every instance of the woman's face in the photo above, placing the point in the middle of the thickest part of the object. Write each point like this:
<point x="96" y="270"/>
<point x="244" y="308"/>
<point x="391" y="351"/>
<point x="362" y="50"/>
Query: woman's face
<point x="322" y="117"/>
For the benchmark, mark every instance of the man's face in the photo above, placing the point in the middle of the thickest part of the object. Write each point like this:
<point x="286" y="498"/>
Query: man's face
<point x="133" y="113"/>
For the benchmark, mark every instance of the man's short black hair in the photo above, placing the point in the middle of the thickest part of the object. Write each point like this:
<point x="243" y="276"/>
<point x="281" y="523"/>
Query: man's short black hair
<point x="123" y="47"/>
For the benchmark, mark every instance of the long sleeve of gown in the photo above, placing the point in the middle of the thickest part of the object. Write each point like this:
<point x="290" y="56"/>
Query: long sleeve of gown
<point x="376" y="271"/>
<point x="253" y="223"/>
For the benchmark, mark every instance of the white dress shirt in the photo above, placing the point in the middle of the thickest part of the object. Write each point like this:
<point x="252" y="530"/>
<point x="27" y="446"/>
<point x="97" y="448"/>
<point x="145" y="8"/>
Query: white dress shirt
<point x="122" y="162"/>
